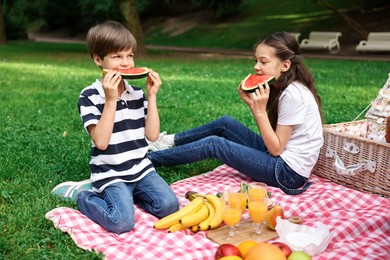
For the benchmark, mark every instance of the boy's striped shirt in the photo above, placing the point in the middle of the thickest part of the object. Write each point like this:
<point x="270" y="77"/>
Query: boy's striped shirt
<point x="125" y="157"/>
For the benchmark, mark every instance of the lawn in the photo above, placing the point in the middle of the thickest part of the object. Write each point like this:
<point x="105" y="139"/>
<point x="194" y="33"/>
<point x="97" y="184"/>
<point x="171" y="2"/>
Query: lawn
<point x="255" y="18"/>
<point x="43" y="142"/>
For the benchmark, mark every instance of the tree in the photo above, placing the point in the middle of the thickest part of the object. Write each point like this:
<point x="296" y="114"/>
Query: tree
<point x="132" y="22"/>
<point x="3" y="37"/>
<point x="351" y="22"/>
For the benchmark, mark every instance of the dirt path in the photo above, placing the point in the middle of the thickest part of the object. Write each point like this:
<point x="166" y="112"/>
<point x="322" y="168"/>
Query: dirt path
<point x="346" y="52"/>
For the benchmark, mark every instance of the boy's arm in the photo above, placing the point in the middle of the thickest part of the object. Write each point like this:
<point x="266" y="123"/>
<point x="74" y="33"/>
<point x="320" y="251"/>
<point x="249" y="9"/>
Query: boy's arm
<point x="101" y="132"/>
<point x="152" y="123"/>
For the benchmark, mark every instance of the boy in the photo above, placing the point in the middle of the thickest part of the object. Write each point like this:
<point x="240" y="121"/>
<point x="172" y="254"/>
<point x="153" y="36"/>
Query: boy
<point x="118" y="117"/>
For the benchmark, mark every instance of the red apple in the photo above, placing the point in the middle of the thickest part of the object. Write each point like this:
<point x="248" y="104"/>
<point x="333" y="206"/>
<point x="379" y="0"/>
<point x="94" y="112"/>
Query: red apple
<point x="227" y="250"/>
<point x="285" y="248"/>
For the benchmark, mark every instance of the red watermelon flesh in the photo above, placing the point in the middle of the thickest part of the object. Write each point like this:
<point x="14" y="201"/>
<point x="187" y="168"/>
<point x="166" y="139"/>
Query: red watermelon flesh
<point x="134" y="73"/>
<point x="252" y="81"/>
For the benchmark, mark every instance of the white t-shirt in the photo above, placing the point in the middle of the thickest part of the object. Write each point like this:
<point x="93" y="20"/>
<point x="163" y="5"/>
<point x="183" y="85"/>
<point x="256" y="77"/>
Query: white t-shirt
<point x="297" y="107"/>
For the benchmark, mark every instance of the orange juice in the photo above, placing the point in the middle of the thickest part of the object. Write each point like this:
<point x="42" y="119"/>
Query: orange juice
<point x="257" y="193"/>
<point x="243" y="202"/>
<point x="235" y="200"/>
<point x="257" y="211"/>
<point x="231" y="216"/>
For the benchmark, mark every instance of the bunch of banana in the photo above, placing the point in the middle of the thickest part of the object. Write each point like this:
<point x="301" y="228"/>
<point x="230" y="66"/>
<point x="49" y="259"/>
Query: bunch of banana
<point x="203" y="212"/>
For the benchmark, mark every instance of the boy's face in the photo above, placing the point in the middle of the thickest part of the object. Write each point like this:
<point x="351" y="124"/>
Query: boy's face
<point x="116" y="60"/>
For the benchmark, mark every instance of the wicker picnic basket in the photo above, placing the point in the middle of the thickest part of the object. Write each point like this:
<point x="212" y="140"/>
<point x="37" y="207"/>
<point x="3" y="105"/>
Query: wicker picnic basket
<point x="350" y="158"/>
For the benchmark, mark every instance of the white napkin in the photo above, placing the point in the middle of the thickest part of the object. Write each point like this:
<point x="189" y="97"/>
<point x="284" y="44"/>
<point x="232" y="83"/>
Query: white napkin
<point x="311" y="240"/>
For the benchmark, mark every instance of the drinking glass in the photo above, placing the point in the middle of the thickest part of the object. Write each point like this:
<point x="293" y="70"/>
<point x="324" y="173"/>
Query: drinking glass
<point x="257" y="204"/>
<point x="232" y="212"/>
<point x="258" y="190"/>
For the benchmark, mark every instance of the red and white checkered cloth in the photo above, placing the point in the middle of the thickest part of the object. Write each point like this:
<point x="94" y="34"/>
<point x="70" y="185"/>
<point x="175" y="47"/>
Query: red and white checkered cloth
<point x="360" y="222"/>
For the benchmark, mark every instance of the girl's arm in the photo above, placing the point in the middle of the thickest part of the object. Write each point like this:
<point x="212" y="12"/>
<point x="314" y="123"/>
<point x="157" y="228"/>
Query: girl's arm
<point x="152" y="123"/>
<point x="277" y="140"/>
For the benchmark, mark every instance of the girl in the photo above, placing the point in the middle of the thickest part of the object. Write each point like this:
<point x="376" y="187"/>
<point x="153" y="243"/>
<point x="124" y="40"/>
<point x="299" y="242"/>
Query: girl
<point x="288" y="116"/>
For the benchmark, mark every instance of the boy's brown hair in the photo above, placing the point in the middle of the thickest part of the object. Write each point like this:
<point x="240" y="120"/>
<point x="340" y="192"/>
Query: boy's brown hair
<point x="108" y="37"/>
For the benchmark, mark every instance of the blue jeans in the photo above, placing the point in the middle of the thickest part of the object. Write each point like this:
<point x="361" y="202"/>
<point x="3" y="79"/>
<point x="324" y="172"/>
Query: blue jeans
<point x="113" y="208"/>
<point x="234" y="144"/>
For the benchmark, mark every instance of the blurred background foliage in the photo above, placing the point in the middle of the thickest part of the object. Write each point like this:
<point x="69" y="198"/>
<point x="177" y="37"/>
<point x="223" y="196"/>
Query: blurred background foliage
<point x="76" y="16"/>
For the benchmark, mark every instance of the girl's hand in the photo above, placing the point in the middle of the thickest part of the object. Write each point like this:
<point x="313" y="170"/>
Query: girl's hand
<point x="110" y="84"/>
<point x="256" y="101"/>
<point x="153" y="83"/>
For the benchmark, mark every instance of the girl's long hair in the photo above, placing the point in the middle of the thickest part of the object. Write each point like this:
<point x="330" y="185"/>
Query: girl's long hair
<point x="287" y="48"/>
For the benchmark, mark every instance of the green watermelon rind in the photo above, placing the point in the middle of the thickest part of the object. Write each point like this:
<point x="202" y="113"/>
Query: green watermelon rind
<point x="253" y="88"/>
<point x="133" y="76"/>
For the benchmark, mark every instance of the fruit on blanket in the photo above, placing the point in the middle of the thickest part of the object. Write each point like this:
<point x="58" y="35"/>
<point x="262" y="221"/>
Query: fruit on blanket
<point x="196" y="217"/>
<point x="252" y="82"/>
<point x="265" y="251"/>
<point x="227" y="250"/>
<point x="190" y="195"/>
<point x="272" y="214"/>
<point x="218" y="205"/>
<point x="205" y="224"/>
<point x="195" y="228"/>
<point x="285" y="248"/>
<point x="231" y="257"/>
<point x="176" y="227"/>
<point x="299" y="255"/>
<point x="174" y="218"/>
<point x="134" y="73"/>
<point x="203" y="212"/>
<point x="245" y="245"/>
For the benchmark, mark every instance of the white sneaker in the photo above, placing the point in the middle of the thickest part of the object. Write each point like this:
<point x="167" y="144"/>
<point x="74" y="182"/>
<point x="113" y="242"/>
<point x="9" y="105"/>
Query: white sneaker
<point x="160" y="143"/>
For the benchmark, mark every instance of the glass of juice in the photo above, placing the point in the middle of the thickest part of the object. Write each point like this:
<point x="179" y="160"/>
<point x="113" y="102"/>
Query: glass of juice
<point x="258" y="189"/>
<point x="257" y="205"/>
<point x="233" y="209"/>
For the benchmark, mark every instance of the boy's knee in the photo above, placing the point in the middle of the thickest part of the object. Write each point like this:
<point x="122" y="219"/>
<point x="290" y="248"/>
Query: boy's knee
<point x="120" y="226"/>
<point x="167" y="207"/>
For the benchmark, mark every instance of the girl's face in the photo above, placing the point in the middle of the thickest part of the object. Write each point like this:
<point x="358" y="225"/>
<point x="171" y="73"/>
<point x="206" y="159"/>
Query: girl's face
<point x="116" y="60"/>
<point x="267" y="63"/>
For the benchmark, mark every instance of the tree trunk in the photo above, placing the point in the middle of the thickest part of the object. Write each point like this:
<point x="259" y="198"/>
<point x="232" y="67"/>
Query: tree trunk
<point x="351" y="22"/>
<point x="132" y="22"/>
<point x="3" y="37"/>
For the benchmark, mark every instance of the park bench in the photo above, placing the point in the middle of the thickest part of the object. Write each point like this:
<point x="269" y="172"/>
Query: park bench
<point x="295" y="35"/>
<point x="376" y="41"/>
<point x="322" y="41"/>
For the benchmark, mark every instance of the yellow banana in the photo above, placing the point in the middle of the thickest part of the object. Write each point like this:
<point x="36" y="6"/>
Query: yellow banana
<point x="176" y="227"/>
<point x="205" y="224"/>
<point x="190" y="220"/>
<point x="219" y="206"/>
<point x="174" y="218"/>
<point x="190" y="195"/>
<point x="195" y="228"/>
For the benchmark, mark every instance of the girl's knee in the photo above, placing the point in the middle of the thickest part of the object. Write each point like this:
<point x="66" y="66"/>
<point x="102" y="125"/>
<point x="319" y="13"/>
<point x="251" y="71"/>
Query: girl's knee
<point x="226" y="119"/>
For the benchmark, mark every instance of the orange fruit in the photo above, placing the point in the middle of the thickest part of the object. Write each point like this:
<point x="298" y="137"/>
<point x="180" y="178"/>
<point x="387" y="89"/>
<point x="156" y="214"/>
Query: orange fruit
<point x="231" y="257"/>
<point x="265" y="251"/>
<point x="244" y="246"/>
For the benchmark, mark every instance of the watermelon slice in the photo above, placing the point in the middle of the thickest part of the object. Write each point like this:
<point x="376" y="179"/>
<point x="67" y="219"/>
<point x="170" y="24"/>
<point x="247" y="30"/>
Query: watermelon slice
<point x="134" y="73"/>
<point x="252" y="81"/>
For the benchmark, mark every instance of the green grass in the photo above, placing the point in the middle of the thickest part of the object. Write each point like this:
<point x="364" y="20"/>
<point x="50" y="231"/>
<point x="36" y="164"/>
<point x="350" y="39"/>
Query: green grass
<point x="255" y="19"/>
<point x="43" y="143"/>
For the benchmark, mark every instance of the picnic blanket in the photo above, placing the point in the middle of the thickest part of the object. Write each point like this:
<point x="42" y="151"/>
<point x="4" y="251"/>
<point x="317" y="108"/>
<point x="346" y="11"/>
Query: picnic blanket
<point x="359" y="221"/>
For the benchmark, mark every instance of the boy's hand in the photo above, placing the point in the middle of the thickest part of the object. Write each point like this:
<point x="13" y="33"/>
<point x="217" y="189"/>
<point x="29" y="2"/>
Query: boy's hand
<point x="153" y="83"/>
<point x="110" y="84"/>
